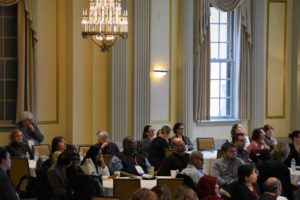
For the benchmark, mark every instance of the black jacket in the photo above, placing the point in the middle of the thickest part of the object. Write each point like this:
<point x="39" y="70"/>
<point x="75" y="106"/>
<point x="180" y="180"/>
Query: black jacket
<point x="7" y="190"/>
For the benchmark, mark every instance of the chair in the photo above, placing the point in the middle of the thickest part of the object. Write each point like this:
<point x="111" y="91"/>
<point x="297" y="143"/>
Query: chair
<point x="205" y="143"/>
<point x="168" y="152"/>
<point x="124" y="188"/>
<point x="173" y="184"/>
<point x="107" y="159"/>
<point x="105" y="198"/>
<point x="19" y="168"/>
<point x="41" y="149"/>
<point x="83" y="148"/>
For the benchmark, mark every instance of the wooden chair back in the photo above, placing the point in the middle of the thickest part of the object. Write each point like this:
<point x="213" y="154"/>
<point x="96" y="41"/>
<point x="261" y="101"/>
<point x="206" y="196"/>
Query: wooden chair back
<point x="84" y="148"/>
<point x="168" y="152"/>
<point x="19" y="168"/>
<point x="124" y="188"/>
<point x="205" y="143"/>
<point x="173" y="184"/>
<point x="41" y="149"/>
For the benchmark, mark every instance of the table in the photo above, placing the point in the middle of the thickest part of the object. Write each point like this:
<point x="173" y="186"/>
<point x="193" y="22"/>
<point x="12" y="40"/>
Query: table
<point x="109" y="183"/>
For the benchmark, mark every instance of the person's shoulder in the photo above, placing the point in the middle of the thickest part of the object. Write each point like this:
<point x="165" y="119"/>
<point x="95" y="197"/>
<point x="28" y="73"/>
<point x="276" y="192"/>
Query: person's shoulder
<point x="281" y="198"/>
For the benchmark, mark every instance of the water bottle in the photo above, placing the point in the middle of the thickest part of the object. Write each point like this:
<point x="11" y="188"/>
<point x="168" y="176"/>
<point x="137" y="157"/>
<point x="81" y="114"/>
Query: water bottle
<point x="36" y="155"/>
<point x="81" y="155"/>
<point x="27" y="155"/>
<point x="293" y="164"/>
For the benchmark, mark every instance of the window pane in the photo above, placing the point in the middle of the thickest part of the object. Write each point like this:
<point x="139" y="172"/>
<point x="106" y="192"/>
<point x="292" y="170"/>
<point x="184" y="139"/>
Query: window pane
<point x="223" y="17"/>
<point x="214" y="33"/>
<point x="214" y="107"/>
<point x="11" y="90"/>
<point x="225" y="88"/>
<point x="214" y="51"/>
<point x="215" y="71"/>
<point x="10" y="46"/>
<point x="10" y="28"/>
<point x="224" y="106"/>
<point x="214" y="88"/>
<point x="214" y="15"/>
<point x="225" y="71"/>
<point x="1" y="110"/>
<point x="1" y="69"/>
<point x="223" y="50"/>
<point x="11" y="69"/>
<point x="223" y="33"/>
<point x="1" y="90"/>
<point x="11" y="107"/>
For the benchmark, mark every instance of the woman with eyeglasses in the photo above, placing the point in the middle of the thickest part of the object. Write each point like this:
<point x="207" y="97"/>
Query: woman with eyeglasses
<point x="178" y="130"/>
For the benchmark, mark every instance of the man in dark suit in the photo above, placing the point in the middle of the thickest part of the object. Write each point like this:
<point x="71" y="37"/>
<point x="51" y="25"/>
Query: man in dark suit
<point x="7" y="190"/>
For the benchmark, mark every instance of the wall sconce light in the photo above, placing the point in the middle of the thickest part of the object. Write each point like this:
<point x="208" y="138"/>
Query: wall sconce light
<point x="160" y="72"/>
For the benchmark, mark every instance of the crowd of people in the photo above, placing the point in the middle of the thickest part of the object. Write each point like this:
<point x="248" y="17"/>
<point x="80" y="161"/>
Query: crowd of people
<point x="245" y="170"/>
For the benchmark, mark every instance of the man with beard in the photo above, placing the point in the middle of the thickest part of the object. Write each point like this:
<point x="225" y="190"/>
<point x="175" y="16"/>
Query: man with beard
<point x="129" y="162"/>
<point x="178" y="160"/>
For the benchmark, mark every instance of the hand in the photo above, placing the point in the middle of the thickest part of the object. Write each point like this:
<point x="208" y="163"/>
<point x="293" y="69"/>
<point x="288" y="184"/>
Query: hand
<point x="104" y="144"/>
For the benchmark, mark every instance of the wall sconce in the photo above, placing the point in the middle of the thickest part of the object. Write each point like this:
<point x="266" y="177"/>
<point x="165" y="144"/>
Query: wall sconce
<point x="159" y="72"/>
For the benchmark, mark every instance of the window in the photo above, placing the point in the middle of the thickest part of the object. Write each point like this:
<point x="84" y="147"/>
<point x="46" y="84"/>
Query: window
<point x="8" y="64"/>
<point x="222" y="62"/>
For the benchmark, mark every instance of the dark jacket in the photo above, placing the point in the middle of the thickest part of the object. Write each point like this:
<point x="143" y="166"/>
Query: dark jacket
<point x="173" y="162"/>
<point x="7" y="190"/>
<point x="157" y="152"/>
<point x="275" y="168"/>
<point x="242" y="192"/>
<point x="293" y="154"/>
<point x="110" y="149"/>
<point x="129" y="162"/>
<point x="19" y="150"/>
<point x="268" y="197"/>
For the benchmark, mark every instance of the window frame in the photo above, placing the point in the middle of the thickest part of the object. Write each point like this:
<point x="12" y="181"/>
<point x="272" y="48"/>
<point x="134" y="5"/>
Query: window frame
<point x="233" y="77"/>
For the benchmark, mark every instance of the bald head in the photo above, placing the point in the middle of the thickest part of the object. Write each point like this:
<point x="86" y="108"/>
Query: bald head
<point x="273" y="185"/>
<point x="178" y="145"/>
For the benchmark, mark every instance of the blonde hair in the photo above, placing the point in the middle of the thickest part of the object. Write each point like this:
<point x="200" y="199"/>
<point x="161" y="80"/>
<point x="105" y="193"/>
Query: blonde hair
<point x="280" y="151"/>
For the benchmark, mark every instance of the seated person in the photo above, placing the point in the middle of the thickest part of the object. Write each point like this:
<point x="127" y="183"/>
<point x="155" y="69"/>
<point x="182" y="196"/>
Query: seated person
<point x="143" y="145"/>
<point x="226" y="167"/>
<point x="207" y="188"/>
<point x="238" y="129"/>
<point x="258" y="142"/>
<point x="158" y="146"/>
<point x="178" y="160"/>
<point x="185" y="193"/>
<point x="31" y="133"/>
<point x="178" y="130"/>
<point x="239" y="141"/>
<point x="93" y="162"/>
<point x="7" y="190"/>
<point x="246" y="188"/>
<point x="17" y="148"/>
<point x="195" y="169"/>
<point x="275" y="167"/>
<point x="144" y="194"/>
<point x="57" y="176"/>
<point x="269" y="139"/>
<point x="273" y="190"/>
<point x="129" y="162"/>
<point x="107" y="147"/>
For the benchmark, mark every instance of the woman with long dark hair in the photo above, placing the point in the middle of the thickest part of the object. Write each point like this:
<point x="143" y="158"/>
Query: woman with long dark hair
<point x="93" y="162"/>
<point x="143" y="145"/>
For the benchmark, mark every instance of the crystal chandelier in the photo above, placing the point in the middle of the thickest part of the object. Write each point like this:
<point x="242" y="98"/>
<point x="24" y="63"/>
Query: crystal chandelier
<point x="105" y="23"/>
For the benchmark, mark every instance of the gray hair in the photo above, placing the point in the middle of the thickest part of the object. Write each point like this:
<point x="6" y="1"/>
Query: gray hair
<point x="195" y="154"/>
<point x="103" y="134"/>
<point x="26" y="115"/>
<point x="280" y="151"/>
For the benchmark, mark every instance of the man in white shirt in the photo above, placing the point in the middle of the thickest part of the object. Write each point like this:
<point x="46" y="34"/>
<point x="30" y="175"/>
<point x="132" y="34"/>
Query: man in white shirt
<point x="195" y="169"/>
